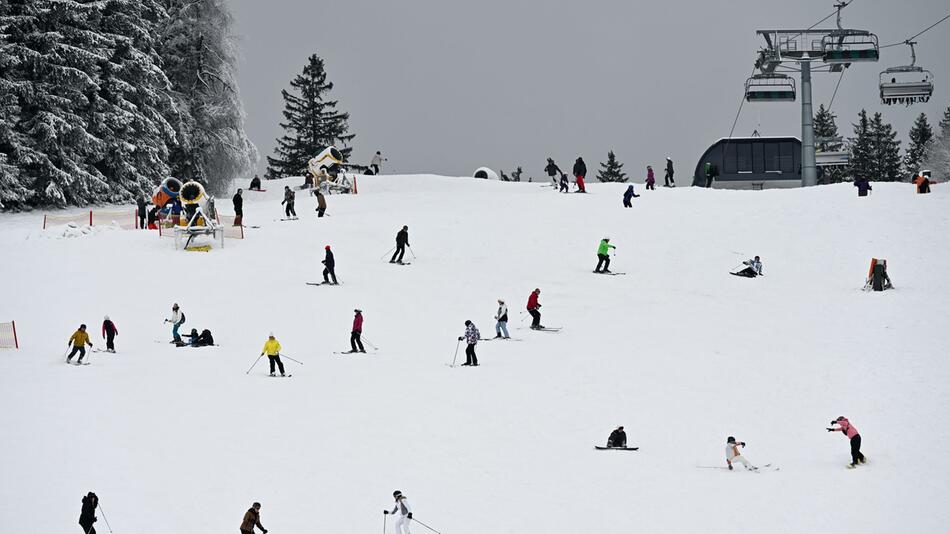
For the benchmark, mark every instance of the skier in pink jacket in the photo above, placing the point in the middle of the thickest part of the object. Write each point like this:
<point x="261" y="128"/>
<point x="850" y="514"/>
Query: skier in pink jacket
<point x="846" y="428"/>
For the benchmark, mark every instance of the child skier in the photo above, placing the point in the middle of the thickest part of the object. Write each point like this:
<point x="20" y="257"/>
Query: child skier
<point x="564" y="187"/>
<point x="533" y="307"/>
<point x="177" y="319"/>
<point x="732" y="454"/>
<point x="651" y="179"/>
<point x="846" y="428"/>
<point x="471" y="339"/>
<point x="603" y="257"/>
<point x="501" y="318"/>
<point x="109" y="331"/>
<point x="356" y="332"/>
<point x="627" y="195"/>
<point x="78" y="340"/>
<point x="402" y="511"/>
<point x="272" y="350"/>
<point x="617" y="438"/>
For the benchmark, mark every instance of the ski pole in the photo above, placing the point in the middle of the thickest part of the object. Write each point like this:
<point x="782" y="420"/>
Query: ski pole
<point x="255" y="363"/>
<point x="411" y="252"/>
<point x="291" y="359"/>
<point x="523" y="316"/>
<point x="104" y="518"/>
<point x="368" y="342"/>
<point x="384" y="522"/>
<point x="427" y="526"/>
<point x="383" y="257"/>
<point x="457" y="343"/>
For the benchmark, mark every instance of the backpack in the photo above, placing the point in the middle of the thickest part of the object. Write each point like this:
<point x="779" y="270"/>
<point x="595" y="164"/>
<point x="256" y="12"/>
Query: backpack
<point x="182" y="318"/>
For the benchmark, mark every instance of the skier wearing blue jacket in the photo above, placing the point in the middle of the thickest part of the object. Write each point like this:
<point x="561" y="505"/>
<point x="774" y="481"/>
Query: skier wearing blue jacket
<point x="627" y="195"/>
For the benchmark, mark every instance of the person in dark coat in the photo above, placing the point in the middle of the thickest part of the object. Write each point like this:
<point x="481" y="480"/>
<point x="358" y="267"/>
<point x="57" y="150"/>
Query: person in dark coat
<point x="255" y="183"/>
<point x="553" y="170"/>
<point x="142" y="212"/>
<point x="580" y="172"/>
<point x="627" y="195"/>
<point x="238" y="202"/>
<point x="618" y="438"/>
<point x="289" y="197"/>
<point x="356" y="344"/>
<point x="329" y="266"/>
<point x="109" y="331"/>
<point x="402" y="241"/>
<point x="88" y="515"/>
<point x="252" y="518"/>
<point x="863" y="186"/>
<point x="668" y="178"/>
<point x="321" y="203"/>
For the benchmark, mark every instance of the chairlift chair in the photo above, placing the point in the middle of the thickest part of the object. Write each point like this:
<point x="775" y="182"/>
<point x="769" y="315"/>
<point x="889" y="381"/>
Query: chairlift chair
<point x="849" y="46"/>
<point x="906" y="84"/>
<point x="770" y="88"/>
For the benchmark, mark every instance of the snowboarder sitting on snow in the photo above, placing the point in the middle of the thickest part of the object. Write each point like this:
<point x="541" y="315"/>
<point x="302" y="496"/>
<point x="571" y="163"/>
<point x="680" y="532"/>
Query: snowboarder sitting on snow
<point x="471" y="339"/>
<point x="627" y="195"/>
<point x="272" y="350"/>
<point x="846" y="428"/>
<point x="753" y="268"/>
<point x="78" y="340"/>
<point x="618" y="438"/>
<point x="863" y="186"/>
<point x="252" y="518"/>
<point x="733" y="455"/>
<point x="603" y="257"/>
<point x="88" y="514"/>
<point x="533" y="307"/>
<point x="109" y="331"/>
<point x="403" y="511"/>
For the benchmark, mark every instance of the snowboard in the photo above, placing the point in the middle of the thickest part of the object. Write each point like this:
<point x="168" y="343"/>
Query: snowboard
<point x="599" y="448"/>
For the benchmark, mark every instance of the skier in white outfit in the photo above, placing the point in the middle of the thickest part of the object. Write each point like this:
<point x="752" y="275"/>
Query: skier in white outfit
<point x="733" y="455"/>
<point x="402" y="511"/>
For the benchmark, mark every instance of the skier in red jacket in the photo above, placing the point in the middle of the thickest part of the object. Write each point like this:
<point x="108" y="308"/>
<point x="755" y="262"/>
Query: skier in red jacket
<point x="533" y="307"/>
<point x="357" y="332"/>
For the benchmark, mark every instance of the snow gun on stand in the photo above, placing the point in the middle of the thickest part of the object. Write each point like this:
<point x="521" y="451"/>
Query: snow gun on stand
<point x="327" y="171"/>
<point x="166" y="192"/>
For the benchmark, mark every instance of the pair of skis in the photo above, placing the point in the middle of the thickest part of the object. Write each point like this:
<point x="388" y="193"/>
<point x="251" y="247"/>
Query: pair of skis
<point x="600" y="448"/>
<point x="609" y="273"/>
<point x="323" y="284"/>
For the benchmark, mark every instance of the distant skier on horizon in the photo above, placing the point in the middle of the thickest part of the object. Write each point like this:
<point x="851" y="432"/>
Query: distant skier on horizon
<point x="603" y="255"/>
<point x="580" y="172"/>
<point x="329" y="267"/>
<point x="651" y="179"/>
<point x="733" y="454"/>
<point x="846" y="428"/>
<point x="471" y="339"/>
<point x="552" y="170"/>
<point x="668" y="177"/>
<point x="377" y="161"/>
<point x="402" y="241"/>
<point x="533" y="308"/>
<point x="402" y="511"/>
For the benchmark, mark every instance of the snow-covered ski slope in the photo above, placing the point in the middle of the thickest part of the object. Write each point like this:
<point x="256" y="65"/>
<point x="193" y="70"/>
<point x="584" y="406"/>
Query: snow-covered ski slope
<point x="679" y="352"/>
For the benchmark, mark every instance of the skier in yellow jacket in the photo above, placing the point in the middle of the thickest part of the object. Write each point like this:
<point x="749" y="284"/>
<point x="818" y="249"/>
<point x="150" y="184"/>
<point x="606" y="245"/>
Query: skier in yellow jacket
<point x="78" y="340"/>
<point x="272" y="350"/>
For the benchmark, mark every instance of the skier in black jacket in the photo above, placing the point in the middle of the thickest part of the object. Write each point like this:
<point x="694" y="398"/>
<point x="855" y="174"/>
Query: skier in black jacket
<point x="238" y="201"/>
<point x="142" y="213"/>
<point x="553" y="170"/>
<point x="580" y="171"/>
<point x="328" y="267"/>
<point x="668" y="178"/>
<point x="88" y="515"/>
<point x="402" y="241"/>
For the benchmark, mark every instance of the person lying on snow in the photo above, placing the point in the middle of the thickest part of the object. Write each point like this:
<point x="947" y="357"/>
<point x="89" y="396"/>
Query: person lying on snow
<point x="204" y="339"/>
<point x="753" y="268"/>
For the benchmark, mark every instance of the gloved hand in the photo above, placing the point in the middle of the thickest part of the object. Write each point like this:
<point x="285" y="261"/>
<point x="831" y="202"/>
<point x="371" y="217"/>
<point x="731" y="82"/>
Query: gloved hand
<point x="385" y="512"/>
<point x="410" y="515"/>
<point x="264" y="530"/>
<point x="742" y="443"/>
<point x="461" y="338"/>
<point x="830" y="429"/>
<point x="833" y="422"/>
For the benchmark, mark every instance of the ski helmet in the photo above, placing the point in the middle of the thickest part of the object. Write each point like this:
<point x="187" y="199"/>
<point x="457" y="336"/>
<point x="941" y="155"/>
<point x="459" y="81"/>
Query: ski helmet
<point x="730" y="439"/>
<point x="327" y="247"/>
<point x="467" y="322"/>
<point x="397" y="493"/>
<point x="106" y="318"/>
<point x="271" y="334"/>
<point x="357" y="310"/>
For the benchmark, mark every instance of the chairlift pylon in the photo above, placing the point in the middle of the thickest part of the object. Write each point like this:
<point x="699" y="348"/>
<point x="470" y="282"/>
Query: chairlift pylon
<point x="906" y="84"/>
<point x="770" y="88"/>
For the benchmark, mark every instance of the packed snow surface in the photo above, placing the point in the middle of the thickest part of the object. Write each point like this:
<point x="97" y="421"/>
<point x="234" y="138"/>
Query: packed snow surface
<point x="679" y="352"/>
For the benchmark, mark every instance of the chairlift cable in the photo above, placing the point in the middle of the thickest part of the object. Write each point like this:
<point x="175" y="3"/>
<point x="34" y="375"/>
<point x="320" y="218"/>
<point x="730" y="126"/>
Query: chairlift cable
<point x="833" y="95"/>
<point x="741" y="102"/>
<point x="928" y="28"/>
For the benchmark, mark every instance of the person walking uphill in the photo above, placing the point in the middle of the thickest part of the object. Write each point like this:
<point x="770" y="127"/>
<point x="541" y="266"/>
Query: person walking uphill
<point x="402" y="511"/>
<point x="289" y="197"/>
<point x="329" y="267"/>
<point x="501" y="320"/>
<point x="533" y="307"/>
<point x="603" y="255"/>
<point x="402" y="241"/>
<point x="471" y="339"/>
<point x="668" y="178"/>
<point x="87" y="517"/>
<point x="846" y="428"/>
<point x="177" y="319"/>
<point x="238" y="201"/>
<point x="627" y="195"/>
<point x="580" y="172"/>
<point x="252" y="518"/>
<point x="78" y="340"/>
<point x="356" y="332"/>
<point x="109" y="331"/>
<point x="272" y="350"/>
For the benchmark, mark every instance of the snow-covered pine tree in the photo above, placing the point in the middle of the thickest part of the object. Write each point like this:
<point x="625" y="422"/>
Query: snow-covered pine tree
<point x="312" y="122"/>
<point x="921" y="142"/>
<point x="886" y="150"/>
<point x="862" y="148"/>
<point x="826" y="135"/>
<point x="938" y="160"/>
<point x="199" y="56"/>
<point x="49" y="61"/>
<point x="612" y="170"/>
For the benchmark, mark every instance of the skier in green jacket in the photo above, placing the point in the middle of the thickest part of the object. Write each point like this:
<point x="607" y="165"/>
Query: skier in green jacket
<point x="602" y="255"/>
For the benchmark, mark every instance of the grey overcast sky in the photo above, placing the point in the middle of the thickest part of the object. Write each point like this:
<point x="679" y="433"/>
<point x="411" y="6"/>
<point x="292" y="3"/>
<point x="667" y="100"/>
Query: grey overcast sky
<point x="442" y="86"/>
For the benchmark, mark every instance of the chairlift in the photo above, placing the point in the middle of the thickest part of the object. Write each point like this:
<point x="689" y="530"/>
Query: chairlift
<point x="849" y="46"/>
<point x="770" y="88"/>
<point x="906" y="84"/>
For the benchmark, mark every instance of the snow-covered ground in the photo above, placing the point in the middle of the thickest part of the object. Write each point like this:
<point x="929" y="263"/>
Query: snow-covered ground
<point x="679" y="352"/>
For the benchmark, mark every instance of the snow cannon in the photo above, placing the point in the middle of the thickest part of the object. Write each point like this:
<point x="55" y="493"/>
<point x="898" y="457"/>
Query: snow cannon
<point x="485" y="174"/>
<point x="193" y="197"/>
<point x="327" y="163"/>
<point x="166" y="192"/>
